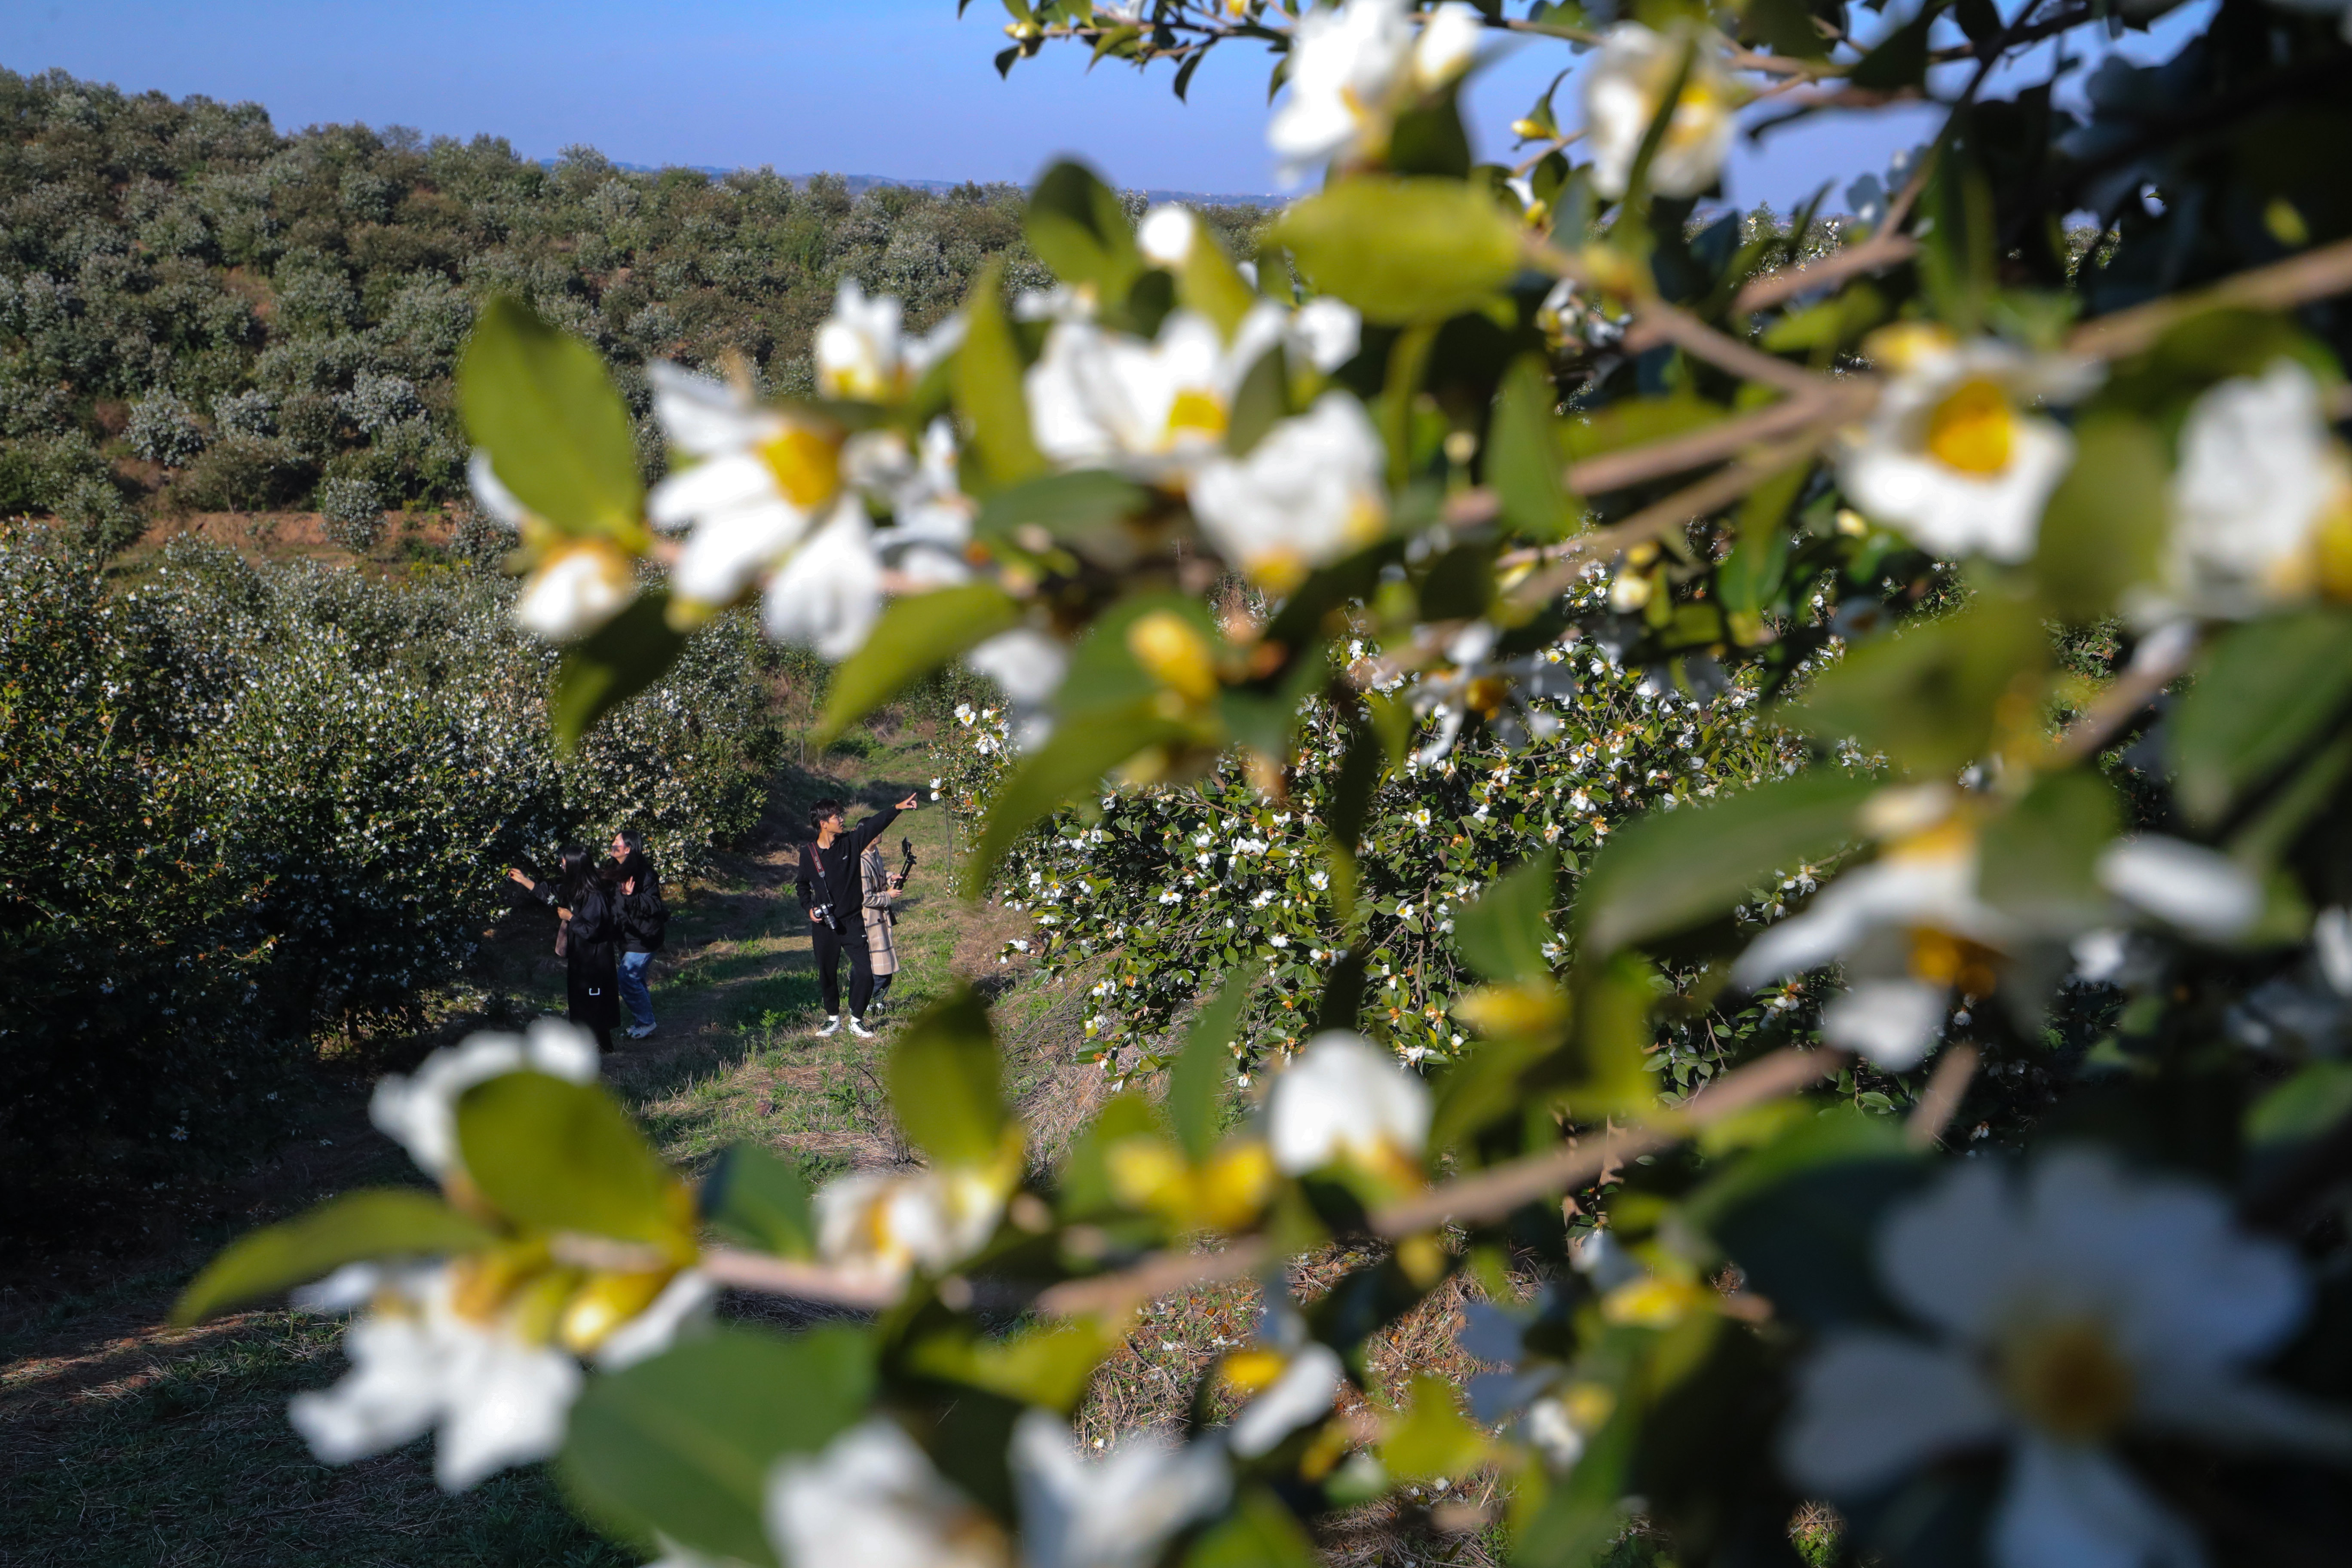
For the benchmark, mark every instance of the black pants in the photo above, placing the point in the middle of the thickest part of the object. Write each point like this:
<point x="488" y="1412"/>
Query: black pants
<point x="829" y="947"/>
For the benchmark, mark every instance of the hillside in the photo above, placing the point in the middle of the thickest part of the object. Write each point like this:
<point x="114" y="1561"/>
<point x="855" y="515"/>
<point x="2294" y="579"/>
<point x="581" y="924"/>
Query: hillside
<point x="201" y="314"/>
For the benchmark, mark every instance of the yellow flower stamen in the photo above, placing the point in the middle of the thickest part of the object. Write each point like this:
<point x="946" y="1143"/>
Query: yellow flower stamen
<point x="1175" y="654"/>
<point x="1194" y="409"/>
<point x="2067" y="1379"/>
<point x="1942" y="959"/>
<point x="1973" y="429"/>
<point x="806" y="464"/>
<point x="603" y="1304"/>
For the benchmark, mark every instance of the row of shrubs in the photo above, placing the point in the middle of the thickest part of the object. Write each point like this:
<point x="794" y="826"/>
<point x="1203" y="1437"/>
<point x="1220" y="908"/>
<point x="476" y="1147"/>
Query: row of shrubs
<point x="243" y="805"/>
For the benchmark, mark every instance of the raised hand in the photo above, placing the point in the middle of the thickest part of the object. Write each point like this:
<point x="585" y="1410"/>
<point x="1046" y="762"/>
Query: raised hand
<point x="908" y="803"/>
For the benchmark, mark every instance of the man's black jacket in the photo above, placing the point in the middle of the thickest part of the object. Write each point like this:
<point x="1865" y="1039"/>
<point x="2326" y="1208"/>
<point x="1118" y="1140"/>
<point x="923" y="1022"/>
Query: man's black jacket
<point x="830" y="876"/>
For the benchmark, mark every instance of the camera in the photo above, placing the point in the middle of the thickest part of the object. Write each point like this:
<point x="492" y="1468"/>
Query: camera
<point x="822" y="915"/>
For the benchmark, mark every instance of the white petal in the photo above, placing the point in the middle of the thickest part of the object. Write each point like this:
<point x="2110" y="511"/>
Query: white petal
<point x="873" y="1499"/>
<point x="2243" y="1413"/>
<point x="2077" y="1508"/>
<point x="1027" y="664"/>
<point x="561" y="1049"/>
<point x="1344" y="1096"/>
<point x="1166" y="235"/>
<point x="686" y="1301"/>
<point x="391" y="1395"/>
<point x="2202" y="891"/>
<point x="1447" y="45"/>
<point x="492" y="492"/>
<point x="1952" y="1256"/>
<point x="829" y="594"/>
<point x="1872" y="1407"/>
<point x="1327" y="333"/>
<point x="1116" y="1513"/>
<point x="728" y="550"/>
<point x="730" y="482"/>
<point x="513" y="1410"/>
<point x="1894" y="1023"/>
<point x="1302" y="1394"/>
<point x="703" y="414"/>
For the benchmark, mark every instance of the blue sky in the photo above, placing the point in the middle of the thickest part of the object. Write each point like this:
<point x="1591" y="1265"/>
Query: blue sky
<point x="897" y="88"/>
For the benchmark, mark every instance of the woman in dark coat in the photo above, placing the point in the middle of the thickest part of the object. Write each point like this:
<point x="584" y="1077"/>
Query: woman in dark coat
<point x="591" y="940"/>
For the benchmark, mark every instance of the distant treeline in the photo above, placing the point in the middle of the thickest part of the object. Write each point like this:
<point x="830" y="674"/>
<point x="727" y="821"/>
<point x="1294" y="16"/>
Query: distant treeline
<point x="197" y="312"/>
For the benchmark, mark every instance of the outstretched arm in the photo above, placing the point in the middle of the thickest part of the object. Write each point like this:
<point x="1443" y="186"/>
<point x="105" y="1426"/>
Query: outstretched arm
<point x="867" y="831"/>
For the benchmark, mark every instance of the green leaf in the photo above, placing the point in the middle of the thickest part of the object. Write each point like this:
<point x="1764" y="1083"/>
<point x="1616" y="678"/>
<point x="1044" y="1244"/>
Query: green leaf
<point x="1928" y="698"/>
<point x="383" y="1222"/>
<point x="1073" y="762"/>
<point x="2040" y="858"/>
<point x="1402" y="250"/>
<point x="682" y="1445"/>
<point x="2264" y="694"/>
<point x="1503" y="931"/>
<point x="947" y="1081"/>
<point x="1900" y="59"/>
<point x="2103" y="529"/>
<point x="987" y="389"/>
<point x="1434" y="1439"/>
<point x="1049" y="1365"/>
<point x="1260" y="402"/>
<point x="564" y="1156"/>
<point x="1084" y="1190"/>
<point x="612" y="664"/>
<point x="917" y="634"/>
<point x="1523" y="455"/>
<point x="760" y="1200"/>
<point x="542" y="403"/>
<point x="1196" y="1084"/>
<point x="1077" y="227"/>
<point x="1664" y="872"/>
<point x="1211" y="285"/>
<point x="1066" y="506"/>
<point x="1787" y="27"/>
<point x="1637" y="422"/>
<point x="1259" y="1533"/>
<point x="2307" y="1105"/>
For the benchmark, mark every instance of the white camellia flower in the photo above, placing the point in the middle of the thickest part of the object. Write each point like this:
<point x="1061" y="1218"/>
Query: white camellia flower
<point x="419" y="1110"/>
<point x="1304" y="1392"/>
<point x="1114" y="1512"/>
<point x="1949" y="456"/>
<point x="2070" y="1304"/>
<point x="2261" y="498"/>
<point x="880" y="1226"/>
<point x="1100" y="398"/>
<point x="873" y="1499"/>
<point x="860" y="353"/>
<point x="576" y="587"/>
<point x="1349" y="66"/>
<point x="576" y="590"/>
<point x="419" y="1364"/>
<point x="1307" y="494"/>
<point x="1623" y="92"/>
<point x="1910" y="928"/>
<point x="456" y="1345"/>
<point x="760" y="481"/>
<point x="1345" y="1098"/>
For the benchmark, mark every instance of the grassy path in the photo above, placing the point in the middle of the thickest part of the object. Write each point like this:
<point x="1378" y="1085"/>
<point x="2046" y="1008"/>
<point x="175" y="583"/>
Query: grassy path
<point x="122" y="1442"/>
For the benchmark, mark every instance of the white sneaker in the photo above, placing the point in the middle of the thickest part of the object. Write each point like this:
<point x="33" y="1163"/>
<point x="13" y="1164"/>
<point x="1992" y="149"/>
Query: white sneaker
<point x="832" y="1023"/>
<point x="640" y="1031"/>
<point x="857" y="1027"/>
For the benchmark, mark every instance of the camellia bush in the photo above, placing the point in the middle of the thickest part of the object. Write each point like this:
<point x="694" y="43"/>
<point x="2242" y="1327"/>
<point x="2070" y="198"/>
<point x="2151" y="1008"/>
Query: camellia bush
<point x="2029" y="561"/>
<point x="250" y="803"/>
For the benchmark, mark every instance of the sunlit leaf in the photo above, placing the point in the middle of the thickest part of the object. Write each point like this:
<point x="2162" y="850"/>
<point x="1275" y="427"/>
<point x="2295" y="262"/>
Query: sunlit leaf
<point x="382" y="1223"/>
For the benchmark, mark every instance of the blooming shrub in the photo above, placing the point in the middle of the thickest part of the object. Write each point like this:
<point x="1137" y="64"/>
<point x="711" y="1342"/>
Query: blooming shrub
<point x="244" y="803"/>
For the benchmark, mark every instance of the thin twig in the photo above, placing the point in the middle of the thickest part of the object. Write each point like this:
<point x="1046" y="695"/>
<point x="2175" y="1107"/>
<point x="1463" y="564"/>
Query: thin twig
<point x="1831" y="405"/>
<point x="1165" y="1274"/>
<point x="2298" y="280"/>
<point x="1717" y="489"/>
<point x="2159" y="659"/>
<point x="1655" y="322"/>
<point x="1885" y="248"/>
<point x="1491" y="1195"/>
<point x="804" y="1281"/>
<point x="1941" y="1098"/>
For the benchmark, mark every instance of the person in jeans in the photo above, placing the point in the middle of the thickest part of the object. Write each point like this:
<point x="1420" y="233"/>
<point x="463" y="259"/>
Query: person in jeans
<point x="591" y="935"/>
<point x="880" y="886"/>
<point x="830" y="894"/>
<point x="644" y="922"/>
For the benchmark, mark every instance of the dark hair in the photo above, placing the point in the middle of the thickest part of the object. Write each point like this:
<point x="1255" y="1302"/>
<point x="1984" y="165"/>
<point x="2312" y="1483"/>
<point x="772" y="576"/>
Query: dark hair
<point x="820" y="811"/>
<point x="633" y="840"/>
<point x="574" y="866"/>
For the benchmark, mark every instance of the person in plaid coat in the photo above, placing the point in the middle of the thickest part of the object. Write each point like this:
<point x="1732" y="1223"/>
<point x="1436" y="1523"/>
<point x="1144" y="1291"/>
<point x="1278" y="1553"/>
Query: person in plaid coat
<point x="880" y="886"/>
